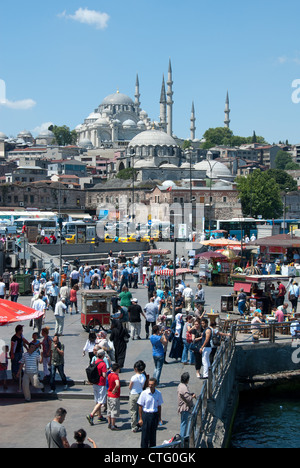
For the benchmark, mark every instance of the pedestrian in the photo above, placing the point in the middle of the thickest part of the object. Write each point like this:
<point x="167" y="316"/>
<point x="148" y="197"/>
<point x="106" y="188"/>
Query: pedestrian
<point x="113" y="397"/>
<point x="188" y="296"/>
<point x="177" y="343"/>
<point x="2" y="289"/>
<point x="151" y="311"/>
<point x="124" y="278"/>
<point x="55" y="432"/>
<point x="73" y="298"/>
<point x="150" y="402"/>
<point x="46" y="353"/>
<point x="99" y="389"/>
<point x="205" y="349"/>
<point x="53" y="295"/>
<point x="74" y="276"/>
<point x="242" y="298"/>
<point x="196" y="332"/>
<point x="89" y="345"/>
<point x="65" y="294"/>
<point x="158" y="340"/>
<point x="135" y="311"/>
<point x="14" y="288"/>
<point x="187" y="341"/>
<point x="185" y="402"/>
<point x="30" y="363"/>
<point x="136" y="386"/>
<point x="80" y="437"/>
<point x="59" y="315"/>
<point x="293" y="295"/>
<point x="119" y="337"/>
<point x="4" y="366"/>
<point x="57" y="363"/>
<point x="151" y="286"/>
<point x="18" y="342"/>
<point x="40" y="306"/>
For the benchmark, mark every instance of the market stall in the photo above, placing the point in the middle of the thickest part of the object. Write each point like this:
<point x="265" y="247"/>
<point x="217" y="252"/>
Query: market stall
<point x="214" y="268"/>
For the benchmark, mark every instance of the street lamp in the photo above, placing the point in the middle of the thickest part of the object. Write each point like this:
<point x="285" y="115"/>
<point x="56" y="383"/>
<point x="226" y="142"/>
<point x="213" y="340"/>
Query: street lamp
<point x="211" y="166"/>
<point x="284" y="207"/>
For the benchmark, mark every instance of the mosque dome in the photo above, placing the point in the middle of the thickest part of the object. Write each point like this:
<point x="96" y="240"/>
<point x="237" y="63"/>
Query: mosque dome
<point x="46" y="134"/>
<point x="101" y="121"/>
<point x="214" y="169"/>
<point x="93" y="116"/>
<point x="129" y="123"/>
<point x="144" y="163"/>
<point x="25" y="134"/>
<point x="85" y="143"/>
<point x="3" y="136"/>
<point x="118" y="98"/>
<point x="168" y="183"/>
<point x="153" y="138"/>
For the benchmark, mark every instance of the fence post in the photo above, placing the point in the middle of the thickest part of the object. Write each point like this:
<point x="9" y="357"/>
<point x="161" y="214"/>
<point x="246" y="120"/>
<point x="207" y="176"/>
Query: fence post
<point x="210" y="383"/>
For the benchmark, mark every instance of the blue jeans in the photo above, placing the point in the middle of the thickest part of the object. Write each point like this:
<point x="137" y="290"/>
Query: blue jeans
<point x="185" y="353"/>
<point x="184" y="415"/>
<point x="241" y="307"/>
<point x="158" y="362"/>
<point x="60" y="369"/>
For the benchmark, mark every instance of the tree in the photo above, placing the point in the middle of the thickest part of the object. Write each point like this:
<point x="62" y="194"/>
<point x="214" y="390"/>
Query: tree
<point x="285" y="161"/>
<point x="283" y="179"/>
<point x="187" y="144"/>
<point x="63" y="135"/>
<point x="260" y="195"/>
<point x="224" y="136"/>
<point x="127" y="174"/>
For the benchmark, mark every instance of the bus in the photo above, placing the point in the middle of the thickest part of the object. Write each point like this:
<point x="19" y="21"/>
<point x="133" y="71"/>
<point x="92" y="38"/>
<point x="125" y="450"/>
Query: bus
<point x="12" y="216"/>
<point x="237" y="226"/>
<point x="48" y="225"/>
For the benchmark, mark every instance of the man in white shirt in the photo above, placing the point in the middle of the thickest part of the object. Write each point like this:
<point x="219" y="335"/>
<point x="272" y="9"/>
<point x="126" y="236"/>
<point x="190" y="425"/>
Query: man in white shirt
<point x="2" y="289"/>
<point x="188" y="295"/>
<point x="40" y="306"/>
<point x="31" y="361"/>
<point x="59" y="315"/>
<point x="150" y="402"/>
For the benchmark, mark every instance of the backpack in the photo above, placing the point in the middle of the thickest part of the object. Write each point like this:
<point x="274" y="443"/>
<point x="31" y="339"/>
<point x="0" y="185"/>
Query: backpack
<point x="93" y="374"/>
<point x="189" y="337"/>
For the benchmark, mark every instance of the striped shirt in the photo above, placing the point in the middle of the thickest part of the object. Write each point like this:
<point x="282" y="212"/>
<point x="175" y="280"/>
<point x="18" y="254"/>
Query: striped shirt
<point x="31" y="362"/>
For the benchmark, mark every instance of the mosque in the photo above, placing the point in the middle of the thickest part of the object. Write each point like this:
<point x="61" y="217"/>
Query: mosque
<point x="151" y="148"/>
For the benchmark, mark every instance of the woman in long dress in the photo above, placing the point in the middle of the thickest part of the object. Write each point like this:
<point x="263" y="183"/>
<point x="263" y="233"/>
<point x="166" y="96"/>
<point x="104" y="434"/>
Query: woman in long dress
<point x="177" y="343"/>
<point x="119" y="337"/>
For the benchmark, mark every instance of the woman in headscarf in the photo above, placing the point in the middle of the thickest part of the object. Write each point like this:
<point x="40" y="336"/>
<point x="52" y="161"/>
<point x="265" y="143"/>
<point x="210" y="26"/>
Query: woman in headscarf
<point x="177" y="343"/>
<point x="119" y="336"/>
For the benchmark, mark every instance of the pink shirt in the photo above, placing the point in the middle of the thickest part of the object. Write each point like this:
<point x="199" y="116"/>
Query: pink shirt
<point x="279" y="316"/>
<point x="14" y="289"/>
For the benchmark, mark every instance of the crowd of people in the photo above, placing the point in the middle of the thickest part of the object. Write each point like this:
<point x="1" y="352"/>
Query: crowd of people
<point x="189" y="338"/>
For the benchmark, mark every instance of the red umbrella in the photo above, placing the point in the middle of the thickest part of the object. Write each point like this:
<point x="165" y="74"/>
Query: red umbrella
<point x="210" y="254"/>
<point x="11" y="312"/>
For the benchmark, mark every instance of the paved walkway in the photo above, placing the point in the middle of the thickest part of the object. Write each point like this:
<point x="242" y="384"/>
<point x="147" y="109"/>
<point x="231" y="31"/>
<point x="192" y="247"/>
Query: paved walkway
<point x="22" y="424"/>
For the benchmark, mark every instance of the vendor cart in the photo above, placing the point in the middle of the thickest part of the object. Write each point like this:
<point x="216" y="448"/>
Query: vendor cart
<point x="96" y="309"/>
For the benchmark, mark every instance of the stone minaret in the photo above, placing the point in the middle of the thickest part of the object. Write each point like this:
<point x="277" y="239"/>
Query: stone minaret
<point x="170" y="101"/>
<point x="193" y="126"/>
<point x="163" y="106"/>
<point x="227" y="112"/>
<point x="137" y="95"/>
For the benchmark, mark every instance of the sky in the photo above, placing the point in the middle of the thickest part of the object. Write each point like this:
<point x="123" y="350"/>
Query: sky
<point x="60" y="59"/>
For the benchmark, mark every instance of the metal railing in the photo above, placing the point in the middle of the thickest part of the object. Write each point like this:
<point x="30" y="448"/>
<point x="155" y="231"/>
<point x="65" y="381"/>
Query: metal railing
<point x="210" y="389"/>
<point x="267" y="332"/>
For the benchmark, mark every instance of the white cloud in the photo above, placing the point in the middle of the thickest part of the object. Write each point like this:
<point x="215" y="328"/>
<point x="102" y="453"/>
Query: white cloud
<point x="24" y="104"/>
<point x="89" y="17"/>
<point x="41" y="128"/>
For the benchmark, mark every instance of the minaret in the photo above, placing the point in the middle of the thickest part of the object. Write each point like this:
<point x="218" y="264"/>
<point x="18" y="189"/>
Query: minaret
<point x="137" y="95"/>
<point x="193" y="120"/>
<point x="163" y="106"/>
<point x="170" y="101"/>
<point x="227" y="112"/>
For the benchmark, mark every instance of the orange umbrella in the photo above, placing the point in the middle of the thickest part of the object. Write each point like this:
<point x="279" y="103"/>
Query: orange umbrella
<point x="221" y="243"/>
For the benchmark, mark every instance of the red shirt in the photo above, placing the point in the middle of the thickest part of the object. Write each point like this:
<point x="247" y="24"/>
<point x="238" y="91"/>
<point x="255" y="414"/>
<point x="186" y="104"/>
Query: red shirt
<point x="281" y="290"/>
<point x="112" y="378"/>
<point x="101" y="368"/>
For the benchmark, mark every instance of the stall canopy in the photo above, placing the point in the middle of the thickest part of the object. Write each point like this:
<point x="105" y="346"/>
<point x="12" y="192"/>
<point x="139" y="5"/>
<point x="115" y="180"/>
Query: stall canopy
<point x="221" y="243"/>
<point x="179" y="271"/>
<point x="159" y="252"/>
<point x="245" y="286"/>
<point x="281" y="240"/>
<point x="210" y="255"/>
<point x="12" y="312"/>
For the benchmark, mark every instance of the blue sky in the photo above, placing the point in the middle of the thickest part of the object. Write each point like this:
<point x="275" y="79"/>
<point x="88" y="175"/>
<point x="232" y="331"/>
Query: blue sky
<point x="60" y="59"/>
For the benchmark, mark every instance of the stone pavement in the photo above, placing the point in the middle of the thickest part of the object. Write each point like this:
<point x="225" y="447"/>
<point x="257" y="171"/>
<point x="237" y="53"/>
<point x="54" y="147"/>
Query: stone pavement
<point x="22" y="424"/>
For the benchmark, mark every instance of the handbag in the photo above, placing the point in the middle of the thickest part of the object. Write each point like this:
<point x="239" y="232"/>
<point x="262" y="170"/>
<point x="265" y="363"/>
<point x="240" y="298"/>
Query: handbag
<point x="195" y="346"/>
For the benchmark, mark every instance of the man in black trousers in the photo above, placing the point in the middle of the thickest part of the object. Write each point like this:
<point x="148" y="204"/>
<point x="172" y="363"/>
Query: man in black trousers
<point x="150" y="402"/>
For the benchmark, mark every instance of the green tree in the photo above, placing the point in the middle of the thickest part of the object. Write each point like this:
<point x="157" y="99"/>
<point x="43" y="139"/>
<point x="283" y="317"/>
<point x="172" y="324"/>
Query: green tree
<point x="283" y="179"/>
<point x="187" y="144"/>
<point x="127" y="174"/>
<point x="224" y="136"/>
<point x="260" y="195"/>
<point x="63" y="135"/>
<point x="285" y="161"/>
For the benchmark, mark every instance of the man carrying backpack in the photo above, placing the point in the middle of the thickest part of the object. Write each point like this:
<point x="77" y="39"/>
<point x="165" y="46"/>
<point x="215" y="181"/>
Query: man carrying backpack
<point x="99" y="386"/>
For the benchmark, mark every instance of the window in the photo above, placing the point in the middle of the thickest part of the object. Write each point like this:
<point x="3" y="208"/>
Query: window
<point x="224" y="199"/>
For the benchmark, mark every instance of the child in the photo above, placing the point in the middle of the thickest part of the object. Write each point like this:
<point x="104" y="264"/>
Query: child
<point x="4" y="366"/>
<point x="36" y="342"/>
<point x="136" y="387"/>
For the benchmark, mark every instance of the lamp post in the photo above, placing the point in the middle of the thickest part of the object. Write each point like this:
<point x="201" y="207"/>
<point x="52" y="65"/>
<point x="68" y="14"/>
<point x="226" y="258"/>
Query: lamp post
<point x="284" y="207"/>
<point x="211" y="166"/>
